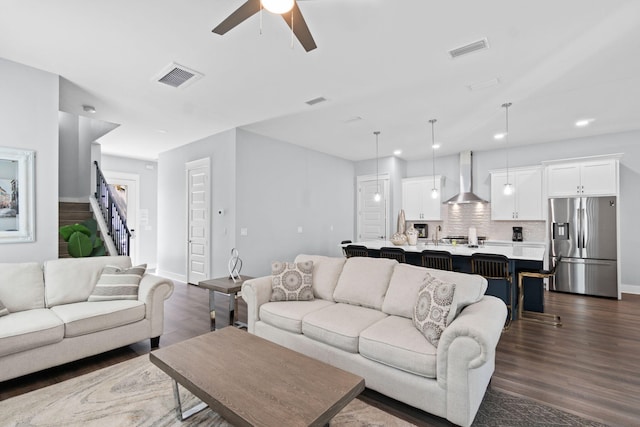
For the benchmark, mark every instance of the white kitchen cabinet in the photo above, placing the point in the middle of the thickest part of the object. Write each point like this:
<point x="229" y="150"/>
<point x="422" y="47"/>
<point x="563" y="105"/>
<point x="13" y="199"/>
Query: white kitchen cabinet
<point x="525" y="203"/>
<point x="417" y="200"/>
<point x="587" y="178"/>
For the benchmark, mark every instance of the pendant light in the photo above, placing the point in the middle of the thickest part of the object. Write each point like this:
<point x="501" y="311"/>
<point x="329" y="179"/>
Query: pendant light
<point x="278" y="6"/>
<point x="377" y="196"/>
<point x="508" y="188"/>
<point x="434" y="190"/>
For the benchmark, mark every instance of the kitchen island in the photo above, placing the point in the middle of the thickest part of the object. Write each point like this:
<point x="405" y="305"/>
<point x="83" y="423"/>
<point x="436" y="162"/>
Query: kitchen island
<point x="521" y="257"/>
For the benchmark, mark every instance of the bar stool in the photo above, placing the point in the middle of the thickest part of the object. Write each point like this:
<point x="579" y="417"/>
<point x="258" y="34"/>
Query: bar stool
<point x="440" y="260"/>
<point x="356" y="250"/>
<point x="534" y="316"/>
<point x="393" y="253"/>
<point x="495" y="267"/>
<point x="344" y="242"/>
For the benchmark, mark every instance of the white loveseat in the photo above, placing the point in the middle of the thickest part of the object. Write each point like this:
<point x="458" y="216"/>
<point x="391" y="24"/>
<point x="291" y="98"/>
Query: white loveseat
<point x="361" y="321"/>
<point x="50" y="321"/>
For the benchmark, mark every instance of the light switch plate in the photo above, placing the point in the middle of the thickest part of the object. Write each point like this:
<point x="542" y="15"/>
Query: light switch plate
<point x="244" y="231"/>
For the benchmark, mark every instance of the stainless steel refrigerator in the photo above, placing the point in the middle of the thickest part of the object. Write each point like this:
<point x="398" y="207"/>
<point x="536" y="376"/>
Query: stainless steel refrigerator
<point x="583" y="233"/>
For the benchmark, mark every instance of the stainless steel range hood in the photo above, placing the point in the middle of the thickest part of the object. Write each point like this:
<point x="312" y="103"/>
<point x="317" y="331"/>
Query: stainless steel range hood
<point x="466" y="182"/>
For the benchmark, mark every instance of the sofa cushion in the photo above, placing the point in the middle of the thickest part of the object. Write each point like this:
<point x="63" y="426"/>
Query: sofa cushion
<point x="364" y="281"/>
<point x="403" y="290"/>
<point x="407" y="280"/>
<point x="339" y="325"/>
<point x="29" y="329"/>
<point x="83" y="318"/>
<point x="288" y="315"/>
<point x="432" y="308"/>
<point x="3" y="309"/>
<point x="326" y="271"/>
<point x="21" y="286"/>
<point x="291" y="281"/>
<point x="395" y="342"/>
<point x="70" y="280"/>
<point x="117" y="283"/>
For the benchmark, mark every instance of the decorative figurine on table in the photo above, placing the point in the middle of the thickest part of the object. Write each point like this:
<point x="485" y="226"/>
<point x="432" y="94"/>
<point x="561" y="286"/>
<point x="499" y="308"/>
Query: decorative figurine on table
<point x="234" y="265"/>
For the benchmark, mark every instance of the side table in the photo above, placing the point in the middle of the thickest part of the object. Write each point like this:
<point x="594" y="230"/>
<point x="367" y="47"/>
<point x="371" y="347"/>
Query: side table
<point x="222" y="299"/>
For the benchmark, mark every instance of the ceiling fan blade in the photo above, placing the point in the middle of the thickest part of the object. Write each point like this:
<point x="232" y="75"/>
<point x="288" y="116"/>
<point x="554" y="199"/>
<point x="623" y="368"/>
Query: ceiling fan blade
<point x="300" y="28"/>
<point x="247" y="10"/>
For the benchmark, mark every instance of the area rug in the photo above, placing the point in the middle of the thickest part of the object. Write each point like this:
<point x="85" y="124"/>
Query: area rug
<point x="137" y="393"/>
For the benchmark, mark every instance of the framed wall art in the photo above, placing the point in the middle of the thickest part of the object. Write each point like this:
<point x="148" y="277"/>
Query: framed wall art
<point x="17" y="195"/>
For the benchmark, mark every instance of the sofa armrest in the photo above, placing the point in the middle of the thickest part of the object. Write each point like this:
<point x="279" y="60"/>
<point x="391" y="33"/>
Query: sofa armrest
<point x="255" y="292"/>
<point x="481" y="324"/>
<point x="153" y="291"/>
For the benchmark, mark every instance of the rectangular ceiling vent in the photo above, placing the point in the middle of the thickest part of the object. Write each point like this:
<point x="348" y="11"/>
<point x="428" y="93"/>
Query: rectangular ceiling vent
<point x="469" y="48"/>
<point x="315" y="101"/>
<point x="176" y="75"/>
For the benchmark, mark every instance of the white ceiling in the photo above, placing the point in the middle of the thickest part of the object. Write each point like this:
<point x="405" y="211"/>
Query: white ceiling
<point x="384" y="61"/>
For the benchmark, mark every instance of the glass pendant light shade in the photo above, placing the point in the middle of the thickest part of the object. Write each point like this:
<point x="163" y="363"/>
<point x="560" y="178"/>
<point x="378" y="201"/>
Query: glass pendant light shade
<point x="278" y="6"/>
<point x="508" y="188"/>
<point x="434" y="190"/>
<point x="377" y="197"/>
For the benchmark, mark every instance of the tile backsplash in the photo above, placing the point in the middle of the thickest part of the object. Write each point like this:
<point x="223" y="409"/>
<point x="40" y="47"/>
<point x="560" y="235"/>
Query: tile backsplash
<point x="456" y="220"/>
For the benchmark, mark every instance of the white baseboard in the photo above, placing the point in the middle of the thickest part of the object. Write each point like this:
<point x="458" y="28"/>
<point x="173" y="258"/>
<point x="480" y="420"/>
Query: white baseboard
<point x="630" y="289"/>
<point x="173" y="276"/>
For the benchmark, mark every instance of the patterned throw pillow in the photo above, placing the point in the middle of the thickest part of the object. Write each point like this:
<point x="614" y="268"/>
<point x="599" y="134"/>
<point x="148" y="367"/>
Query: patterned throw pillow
<point x="117" y="283"/>
<point x="291" y="281"/>
<point x="432" y="308"/>
<point x="3" y="310"/>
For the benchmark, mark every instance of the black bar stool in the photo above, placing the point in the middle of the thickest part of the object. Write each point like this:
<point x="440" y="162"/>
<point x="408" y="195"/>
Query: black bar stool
<point x="356" y="250"/>
<point x="534" y="316"/>
<point x="495" y="267"/>
<point x="393" y="253"/>
<point x="440" y="260"/>
<point x="344" y="242"/>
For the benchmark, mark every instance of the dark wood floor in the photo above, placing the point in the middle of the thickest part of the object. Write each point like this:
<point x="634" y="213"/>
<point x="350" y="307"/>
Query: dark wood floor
<point x="590" y="366"/>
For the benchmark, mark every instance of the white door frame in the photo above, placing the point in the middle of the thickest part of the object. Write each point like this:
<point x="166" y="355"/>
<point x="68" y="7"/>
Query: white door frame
<point x="132" y="180"/>
<point x="197" y="164"/>
<point x="384" y="179"/>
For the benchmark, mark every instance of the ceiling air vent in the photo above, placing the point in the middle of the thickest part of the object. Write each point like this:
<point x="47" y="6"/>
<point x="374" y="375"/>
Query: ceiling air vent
<point x="315" y="101"/>
<point x="471" y="47"/>
<point x="176" y="75"/>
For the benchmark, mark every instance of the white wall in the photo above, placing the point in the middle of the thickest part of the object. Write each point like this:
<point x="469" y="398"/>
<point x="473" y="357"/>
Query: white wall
<point x="147" y="171"/>
<point x="281" y="187"/>
<point x="29" y="111"/>
<point x="172" y="204"/>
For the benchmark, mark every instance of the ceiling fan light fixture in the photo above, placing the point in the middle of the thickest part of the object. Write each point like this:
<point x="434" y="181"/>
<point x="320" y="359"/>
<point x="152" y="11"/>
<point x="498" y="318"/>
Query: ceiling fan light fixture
<point x="278" y="6"/>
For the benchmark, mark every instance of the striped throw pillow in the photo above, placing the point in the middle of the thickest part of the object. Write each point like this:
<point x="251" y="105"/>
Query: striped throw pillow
<point x="117" y="283"/>
<point x="3" y="309"/>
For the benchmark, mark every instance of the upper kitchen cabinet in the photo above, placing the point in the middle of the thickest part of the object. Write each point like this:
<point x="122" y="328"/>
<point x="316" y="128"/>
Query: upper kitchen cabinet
<point x="417" y="200"/>
<point x="525" y="203"/>
<point x="594" y="176"/>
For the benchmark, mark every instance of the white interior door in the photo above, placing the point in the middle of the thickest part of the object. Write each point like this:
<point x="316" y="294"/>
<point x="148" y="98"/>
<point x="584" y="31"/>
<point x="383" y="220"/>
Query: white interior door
<point x="373" y="216"/>
<point x="198" y="222"/>
<point x="124" y="187"/>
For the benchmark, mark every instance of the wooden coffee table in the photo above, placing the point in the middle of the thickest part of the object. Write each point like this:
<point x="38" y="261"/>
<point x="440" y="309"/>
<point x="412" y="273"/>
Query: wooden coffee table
<point x="250" y="381"/>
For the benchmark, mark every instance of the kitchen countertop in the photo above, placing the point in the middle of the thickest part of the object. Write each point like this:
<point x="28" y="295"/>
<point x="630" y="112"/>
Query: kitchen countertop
<point x="519" y="251"/>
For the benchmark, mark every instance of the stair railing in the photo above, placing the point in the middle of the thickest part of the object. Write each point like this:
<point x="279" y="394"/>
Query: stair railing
<point x="113" y="216"/>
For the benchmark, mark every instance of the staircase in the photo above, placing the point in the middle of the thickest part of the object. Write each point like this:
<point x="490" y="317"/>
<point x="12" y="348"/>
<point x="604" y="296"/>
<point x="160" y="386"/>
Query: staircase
<point x="69" y="214"/>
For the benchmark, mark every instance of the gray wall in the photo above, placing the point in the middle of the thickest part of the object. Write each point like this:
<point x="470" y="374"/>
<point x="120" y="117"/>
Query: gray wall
<point x="280" y="187"/>
<point x="29" y="111"/>
<point x="146" y="235"/>
<point x="172" y="204"/>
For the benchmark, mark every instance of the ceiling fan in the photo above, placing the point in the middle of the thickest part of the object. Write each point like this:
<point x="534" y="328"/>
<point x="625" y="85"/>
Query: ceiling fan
<point x="288" y="9"/>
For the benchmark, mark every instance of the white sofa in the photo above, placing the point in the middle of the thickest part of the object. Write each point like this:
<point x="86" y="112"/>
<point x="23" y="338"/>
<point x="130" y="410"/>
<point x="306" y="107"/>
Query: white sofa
<point x="50" y="321"/>
<point x="361" y="321"/>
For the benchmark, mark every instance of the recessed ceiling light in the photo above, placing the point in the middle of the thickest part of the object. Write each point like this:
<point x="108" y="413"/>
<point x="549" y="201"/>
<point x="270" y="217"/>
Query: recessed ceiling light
<point x="397" y="152"/>
<point x="583" y="122"/>
<point x="161" y="130"/>
<point x="499" y="135"/>
<point x="89" y="109"/>
<point x="436" y="146"/>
